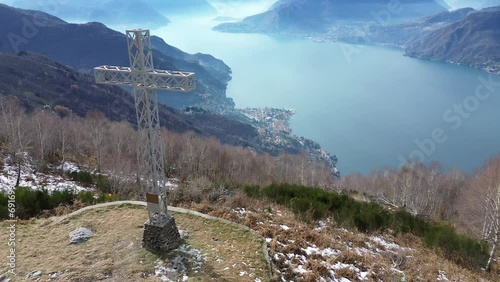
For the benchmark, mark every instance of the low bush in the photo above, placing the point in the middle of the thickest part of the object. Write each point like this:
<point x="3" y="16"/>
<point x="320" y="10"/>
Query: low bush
<point x="87" y="197"/>
<point x="4" y="201"/>
<point x="101" y="182"/>
<point x="82" y="177"/>
<point x="314" y="203"/>
<point x="30" y="203"/>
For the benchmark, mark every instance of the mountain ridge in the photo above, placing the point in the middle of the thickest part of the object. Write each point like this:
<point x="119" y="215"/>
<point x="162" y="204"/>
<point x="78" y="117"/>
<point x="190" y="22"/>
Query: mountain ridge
<point x="85" y="46"/>
<point x="40" y="82"/>
<point x="473" y="40"/>
<point x="302" y="16"/>
<point x="136" y="12"/>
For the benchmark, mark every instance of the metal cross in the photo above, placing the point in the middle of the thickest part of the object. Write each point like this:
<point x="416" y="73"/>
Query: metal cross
<point x="145" y="80"/>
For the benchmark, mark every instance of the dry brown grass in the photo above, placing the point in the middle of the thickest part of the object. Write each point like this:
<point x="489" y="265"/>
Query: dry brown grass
<point x="417" y="263"/>
<point x="115" y="253"/>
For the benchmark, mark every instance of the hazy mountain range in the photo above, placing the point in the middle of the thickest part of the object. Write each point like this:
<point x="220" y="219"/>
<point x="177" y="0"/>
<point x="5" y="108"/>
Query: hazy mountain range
<point x="65" y="79"/>
<point x="113" y="12"/>
<point x="306" y="16"/>
<point x="476" y="4"/>
<point x="84" y="46"/>
<point x="38" y="81"/>
<point x="140" y="13"/>
<point x="465" y="36"/>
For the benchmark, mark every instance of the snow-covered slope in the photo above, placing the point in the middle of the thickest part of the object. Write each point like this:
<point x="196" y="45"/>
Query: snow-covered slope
<point x="37" y="180"/>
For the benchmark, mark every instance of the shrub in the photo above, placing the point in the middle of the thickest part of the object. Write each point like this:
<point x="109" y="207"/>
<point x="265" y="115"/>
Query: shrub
<point x="82" y="177"/>
<point x="371" y="217"/>
<point x="104" y="197"/>
<point x="101" y="182"/>
<point x="457" y="247"/>
<point x="86" y="197"/>
<point x="61" y="197"/>
<point x="4" y="212"/>
<point x="30" y="203"/>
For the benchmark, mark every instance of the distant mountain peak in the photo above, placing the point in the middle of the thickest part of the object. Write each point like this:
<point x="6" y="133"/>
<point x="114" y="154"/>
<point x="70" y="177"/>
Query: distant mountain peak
<point x="306" y="16"/>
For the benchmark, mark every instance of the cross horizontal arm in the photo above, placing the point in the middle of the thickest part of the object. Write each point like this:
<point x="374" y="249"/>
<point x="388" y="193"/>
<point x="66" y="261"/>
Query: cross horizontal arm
<point x="153" y="79"/>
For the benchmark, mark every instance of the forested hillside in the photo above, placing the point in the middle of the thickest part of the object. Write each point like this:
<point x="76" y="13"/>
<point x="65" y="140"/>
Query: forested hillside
<point x="56" y="135"/>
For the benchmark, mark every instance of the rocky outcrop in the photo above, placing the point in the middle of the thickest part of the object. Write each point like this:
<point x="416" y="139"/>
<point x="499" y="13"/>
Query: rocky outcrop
<point x="80" y="235"/>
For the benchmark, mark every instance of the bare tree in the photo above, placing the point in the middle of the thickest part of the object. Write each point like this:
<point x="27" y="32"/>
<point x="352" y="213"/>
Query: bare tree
<point x="486" y="183"/>
<point x="97" y="126"/>
<point x="15" y="124"/>
<point x="63" y="137"/>
<point x="43" y="130"/>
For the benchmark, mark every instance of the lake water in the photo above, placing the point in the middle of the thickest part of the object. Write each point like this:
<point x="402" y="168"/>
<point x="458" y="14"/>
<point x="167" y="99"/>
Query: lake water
<point x="370" y="109"/>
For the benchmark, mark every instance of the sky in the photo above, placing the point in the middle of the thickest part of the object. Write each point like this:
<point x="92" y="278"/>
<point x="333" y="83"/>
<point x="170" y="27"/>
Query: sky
<point x="477" y="4"/>
<point x="453" y="3"/>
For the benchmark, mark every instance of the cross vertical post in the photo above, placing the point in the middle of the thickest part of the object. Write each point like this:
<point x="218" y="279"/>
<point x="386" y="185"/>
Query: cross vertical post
<point x="159" y="233"/>
<point x="148" y="120"/>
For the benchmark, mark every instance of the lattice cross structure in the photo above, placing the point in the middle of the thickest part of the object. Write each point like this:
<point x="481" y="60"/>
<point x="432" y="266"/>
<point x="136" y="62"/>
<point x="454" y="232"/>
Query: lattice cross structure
<point x="145" y="80"/>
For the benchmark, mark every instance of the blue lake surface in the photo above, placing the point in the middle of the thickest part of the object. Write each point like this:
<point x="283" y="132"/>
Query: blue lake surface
<point x="371" y="108"/>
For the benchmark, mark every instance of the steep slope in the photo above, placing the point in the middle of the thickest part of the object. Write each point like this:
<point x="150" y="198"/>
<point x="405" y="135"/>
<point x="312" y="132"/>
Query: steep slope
<point x="299" y="16"/>
<point x="84" y="46"/>
<point x="407" y="33"/>
<point x="113" y="12"/>
<point x="38" y="81"/>
<point x="473" y="41"/>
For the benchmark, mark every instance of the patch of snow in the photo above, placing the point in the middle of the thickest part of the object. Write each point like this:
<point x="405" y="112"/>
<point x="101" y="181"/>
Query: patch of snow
<point x="284" y="227"/>
<point x="442" y="276"/>
<point x="384" y="243"/>
<point x="329" y="252"/>
<point x="277" y="256"/>
<point x="300" y="269"/>
<point x="54" y="275"/>
<point x="29" y="177"/>
<point x="341" y="265"/>
<point x="310" y="250"/>
<point x="172" y="184"/>
<point x="321" y="226"/>
<point x="184" y="234"/>
<point x="241" y="211"/>
<point x="68" y="167"/>
<point x="363" y="275"/>
<point x="34" y="274"/>
<point x="174" y="268"/>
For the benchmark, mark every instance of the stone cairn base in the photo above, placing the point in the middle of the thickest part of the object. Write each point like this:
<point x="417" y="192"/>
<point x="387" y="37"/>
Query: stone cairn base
<point x="161" y="237"/>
